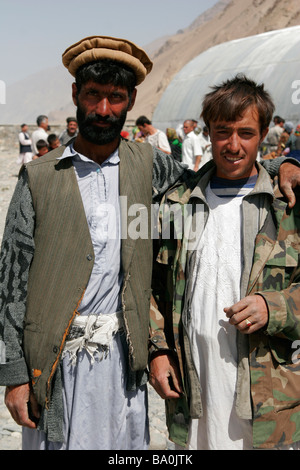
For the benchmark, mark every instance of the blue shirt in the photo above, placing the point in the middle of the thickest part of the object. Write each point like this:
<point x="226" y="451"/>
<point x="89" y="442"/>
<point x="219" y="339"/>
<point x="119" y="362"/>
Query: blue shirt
<point x="99" y="188"/>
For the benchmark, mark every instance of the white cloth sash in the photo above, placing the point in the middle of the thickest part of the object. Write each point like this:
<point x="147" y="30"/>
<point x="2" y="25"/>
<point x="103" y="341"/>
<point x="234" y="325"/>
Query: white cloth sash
<point x="98" y="330"/>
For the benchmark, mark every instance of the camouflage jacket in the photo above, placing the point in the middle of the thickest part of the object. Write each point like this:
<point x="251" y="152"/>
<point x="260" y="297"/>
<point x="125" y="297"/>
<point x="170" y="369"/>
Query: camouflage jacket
<point x="268" y="378"/>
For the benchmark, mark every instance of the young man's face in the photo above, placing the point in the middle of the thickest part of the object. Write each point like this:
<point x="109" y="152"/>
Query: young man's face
<point x="43" y="151"/>
<point x="235" y="145"/>
<point x="144" y="130"/>
<point x="55" y="144"/>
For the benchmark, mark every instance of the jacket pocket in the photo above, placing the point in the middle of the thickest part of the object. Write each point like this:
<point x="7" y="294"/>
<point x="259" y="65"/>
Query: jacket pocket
<point x="282" y="351"/>
<point x="284" y="254"/>
<point x="280" y="267"/>
<point x="285" y="375"/>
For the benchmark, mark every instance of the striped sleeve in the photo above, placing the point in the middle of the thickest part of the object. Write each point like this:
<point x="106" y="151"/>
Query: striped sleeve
<point x="15" y="259"/>
<point x="166" y="171"/>
<point x="272" y="166"/>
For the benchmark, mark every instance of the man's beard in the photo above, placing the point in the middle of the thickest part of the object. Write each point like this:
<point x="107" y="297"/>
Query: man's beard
<point x="97" y="135"/>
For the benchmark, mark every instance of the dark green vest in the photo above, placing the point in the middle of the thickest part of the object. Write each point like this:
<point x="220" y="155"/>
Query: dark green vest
<point x="63" y="260"/>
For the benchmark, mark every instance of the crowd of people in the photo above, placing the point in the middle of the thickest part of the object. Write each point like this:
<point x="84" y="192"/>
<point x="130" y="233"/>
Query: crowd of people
<point x="283" y="139"/>
<point x="42" y="141"/>
<point x="188" y="143"/>
<point x="208" y="312"/>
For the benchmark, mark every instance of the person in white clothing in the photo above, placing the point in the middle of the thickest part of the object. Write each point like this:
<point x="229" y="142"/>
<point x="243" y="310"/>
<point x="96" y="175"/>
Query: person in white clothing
<point x="191" y="146"/>
<point x="206" y="146"/>
<point x="153" y="136"/>
<point x="40" y="133"/>
<point x="25" y="155"/>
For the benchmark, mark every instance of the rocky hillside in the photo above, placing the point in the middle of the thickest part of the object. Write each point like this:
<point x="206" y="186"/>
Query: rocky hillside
<point x="226" y="21"/>
<point x="50" y="92"/>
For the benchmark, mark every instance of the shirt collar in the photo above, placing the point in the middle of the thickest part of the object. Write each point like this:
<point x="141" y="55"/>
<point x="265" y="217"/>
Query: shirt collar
<point x="69" y="152"/>
<point x="189" y="135"/>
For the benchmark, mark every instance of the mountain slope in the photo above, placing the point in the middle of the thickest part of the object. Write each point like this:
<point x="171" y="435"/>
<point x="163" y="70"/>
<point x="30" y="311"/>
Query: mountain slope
<point x="237" y="19"/>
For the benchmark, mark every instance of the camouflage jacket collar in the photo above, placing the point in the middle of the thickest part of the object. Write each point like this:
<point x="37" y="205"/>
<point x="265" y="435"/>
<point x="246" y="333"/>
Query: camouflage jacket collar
<point x="194" y="185"/>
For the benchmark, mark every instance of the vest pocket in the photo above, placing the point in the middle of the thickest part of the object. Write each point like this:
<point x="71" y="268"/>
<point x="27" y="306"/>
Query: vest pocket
<point x="31" y="322"/>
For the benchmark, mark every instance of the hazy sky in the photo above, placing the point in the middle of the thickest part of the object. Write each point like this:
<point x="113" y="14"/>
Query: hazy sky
<point x="35" y="33"/>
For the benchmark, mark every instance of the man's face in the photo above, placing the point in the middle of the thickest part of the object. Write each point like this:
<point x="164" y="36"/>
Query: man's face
<point x="101" y="111"/>
<point x="45" y="124"/>
<point x="143" y="130"/>
<point x="72" y="127"/>
<point x="55" y="144"/>
<point x="235" y="145"/>
<point x="188" y="127"/>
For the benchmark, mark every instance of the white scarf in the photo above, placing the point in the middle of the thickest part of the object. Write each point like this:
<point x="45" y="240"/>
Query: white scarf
<point x="98" y="330"/>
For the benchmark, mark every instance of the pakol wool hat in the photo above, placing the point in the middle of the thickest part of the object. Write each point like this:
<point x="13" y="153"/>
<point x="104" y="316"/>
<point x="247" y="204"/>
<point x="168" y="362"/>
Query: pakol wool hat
<point x="94" y="48"/>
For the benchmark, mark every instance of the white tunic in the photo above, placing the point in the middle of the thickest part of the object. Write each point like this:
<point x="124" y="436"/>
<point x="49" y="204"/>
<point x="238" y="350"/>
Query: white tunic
<point x="191" y="148"/>
<point x="159" y="140"/>
<point x="216" y="284"/>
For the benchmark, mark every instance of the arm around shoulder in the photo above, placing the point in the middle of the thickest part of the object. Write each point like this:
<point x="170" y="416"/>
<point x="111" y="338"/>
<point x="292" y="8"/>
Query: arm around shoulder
<point x="166" y="172"/>
<point x="288" y="171"/>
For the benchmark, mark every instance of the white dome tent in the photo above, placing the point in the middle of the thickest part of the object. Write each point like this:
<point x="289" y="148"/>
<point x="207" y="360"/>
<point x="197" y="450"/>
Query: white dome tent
<point x="271" y="58"/>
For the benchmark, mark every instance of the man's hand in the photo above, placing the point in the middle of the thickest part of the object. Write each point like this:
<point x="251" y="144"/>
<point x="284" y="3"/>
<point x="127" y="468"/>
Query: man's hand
<point x="17" y="400"/>
<point x="289" y="178"/>
<point x="249" y="314"/>
<point x="165" y="376"/>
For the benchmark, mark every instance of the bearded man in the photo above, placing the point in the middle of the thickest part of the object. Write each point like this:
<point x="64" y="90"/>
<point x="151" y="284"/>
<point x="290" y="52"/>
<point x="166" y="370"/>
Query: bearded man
<point x="75" y="344"/>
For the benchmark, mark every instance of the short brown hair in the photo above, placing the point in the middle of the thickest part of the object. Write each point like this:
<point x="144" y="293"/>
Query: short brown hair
<point x="229" y="101"/>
